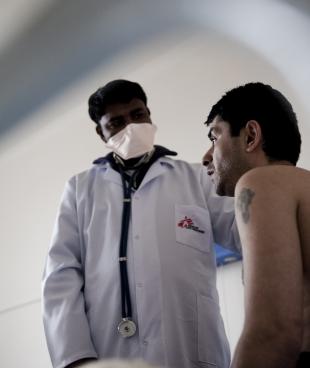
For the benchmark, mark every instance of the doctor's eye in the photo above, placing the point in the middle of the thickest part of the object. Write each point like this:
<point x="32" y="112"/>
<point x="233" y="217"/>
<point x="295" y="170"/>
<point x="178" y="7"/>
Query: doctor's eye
<point x="115" y="124"/>
<point x="139" y="115"/>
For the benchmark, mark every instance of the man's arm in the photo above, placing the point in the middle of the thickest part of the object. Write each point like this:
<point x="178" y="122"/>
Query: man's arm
<point x="266" y="213"/>
<point x="65" y="321"/>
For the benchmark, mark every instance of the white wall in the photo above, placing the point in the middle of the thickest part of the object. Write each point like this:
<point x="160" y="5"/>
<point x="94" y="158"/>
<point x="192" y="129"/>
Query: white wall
<point x="183" y="76"/>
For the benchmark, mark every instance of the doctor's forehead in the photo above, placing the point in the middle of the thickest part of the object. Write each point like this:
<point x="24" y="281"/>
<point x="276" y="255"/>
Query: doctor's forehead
<point x="120" y="108"/>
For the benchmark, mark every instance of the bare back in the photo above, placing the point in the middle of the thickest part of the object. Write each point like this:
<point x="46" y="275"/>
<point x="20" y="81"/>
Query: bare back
<point x="276" y="244"/>
<point x="302" y="187"/>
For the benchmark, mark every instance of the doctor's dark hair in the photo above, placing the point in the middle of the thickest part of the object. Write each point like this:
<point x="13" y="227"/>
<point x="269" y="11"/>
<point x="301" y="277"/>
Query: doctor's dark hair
<point x="116" y="91"/>
<point x="273" y="112"/>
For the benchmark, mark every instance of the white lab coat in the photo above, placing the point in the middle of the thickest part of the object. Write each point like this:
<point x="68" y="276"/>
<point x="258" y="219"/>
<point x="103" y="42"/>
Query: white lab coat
<point x="171" y="269"/>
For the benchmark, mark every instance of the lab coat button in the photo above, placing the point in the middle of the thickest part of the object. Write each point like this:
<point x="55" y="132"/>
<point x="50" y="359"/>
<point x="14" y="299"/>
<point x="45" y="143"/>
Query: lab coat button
<point x="145" y="342"/>
<point x="137" y="237"/>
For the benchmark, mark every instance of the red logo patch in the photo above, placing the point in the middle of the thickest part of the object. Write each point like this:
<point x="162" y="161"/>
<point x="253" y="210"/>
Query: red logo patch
<point x="187" y="223"/>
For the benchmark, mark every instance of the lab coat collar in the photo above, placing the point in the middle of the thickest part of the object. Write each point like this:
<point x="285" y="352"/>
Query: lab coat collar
<point x="160" y="151"/>
<point x="107" y="162"/>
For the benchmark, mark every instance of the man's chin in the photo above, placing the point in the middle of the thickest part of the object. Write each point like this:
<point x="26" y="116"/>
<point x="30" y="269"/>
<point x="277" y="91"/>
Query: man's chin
<point x="223" y="190"/>
<point x="220" y="192"/>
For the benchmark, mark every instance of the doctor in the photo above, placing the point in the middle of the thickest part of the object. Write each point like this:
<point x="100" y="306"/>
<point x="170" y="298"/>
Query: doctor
<point x="130" y="271"/>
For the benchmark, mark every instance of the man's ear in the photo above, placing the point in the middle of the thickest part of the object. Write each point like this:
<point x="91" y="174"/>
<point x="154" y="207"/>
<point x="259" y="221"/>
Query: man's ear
<point x="253" y="135"/>
<point x="99" y="132"/>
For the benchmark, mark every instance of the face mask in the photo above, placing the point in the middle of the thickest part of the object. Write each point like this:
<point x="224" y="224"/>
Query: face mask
<point x="134" y="140"/>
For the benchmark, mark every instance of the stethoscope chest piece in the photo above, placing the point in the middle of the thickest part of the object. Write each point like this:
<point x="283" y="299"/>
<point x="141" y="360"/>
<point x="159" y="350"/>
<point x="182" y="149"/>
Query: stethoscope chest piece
<point x="127" y="328"/>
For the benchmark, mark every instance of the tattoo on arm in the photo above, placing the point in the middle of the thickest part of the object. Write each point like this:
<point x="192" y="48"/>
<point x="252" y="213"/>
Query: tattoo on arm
<point x="243" y="203"/>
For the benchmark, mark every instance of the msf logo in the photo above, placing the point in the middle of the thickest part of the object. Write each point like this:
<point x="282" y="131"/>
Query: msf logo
<point x="187" y="223"/>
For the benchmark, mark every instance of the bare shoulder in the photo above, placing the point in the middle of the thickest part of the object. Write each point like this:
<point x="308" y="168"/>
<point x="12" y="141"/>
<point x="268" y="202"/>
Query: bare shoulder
<point x="267" y="191"/>
<point x="276" y="180"/>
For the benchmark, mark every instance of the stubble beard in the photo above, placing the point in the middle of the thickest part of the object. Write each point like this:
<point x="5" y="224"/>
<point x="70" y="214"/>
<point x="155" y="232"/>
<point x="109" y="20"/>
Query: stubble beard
<point x="228" y="175"/>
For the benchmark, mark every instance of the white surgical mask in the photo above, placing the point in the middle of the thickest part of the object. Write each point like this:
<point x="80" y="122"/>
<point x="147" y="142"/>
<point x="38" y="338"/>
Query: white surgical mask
<point x="134" y="140"/>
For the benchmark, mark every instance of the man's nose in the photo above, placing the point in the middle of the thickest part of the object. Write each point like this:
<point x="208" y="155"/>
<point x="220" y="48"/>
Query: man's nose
<point x="208" y="157"/>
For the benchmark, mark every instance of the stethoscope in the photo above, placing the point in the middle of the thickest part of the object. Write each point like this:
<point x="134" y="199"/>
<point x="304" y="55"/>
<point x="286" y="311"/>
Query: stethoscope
<point x="127" y="326"/>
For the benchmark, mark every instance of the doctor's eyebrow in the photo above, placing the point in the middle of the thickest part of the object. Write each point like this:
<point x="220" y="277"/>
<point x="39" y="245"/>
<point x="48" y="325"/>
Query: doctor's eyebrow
<point x="138" y="109"/>
<point x="115" y="118"/>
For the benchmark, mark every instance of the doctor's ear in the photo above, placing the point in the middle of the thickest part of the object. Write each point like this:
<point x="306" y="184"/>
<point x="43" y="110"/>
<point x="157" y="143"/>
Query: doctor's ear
<point x="253" y="135"/>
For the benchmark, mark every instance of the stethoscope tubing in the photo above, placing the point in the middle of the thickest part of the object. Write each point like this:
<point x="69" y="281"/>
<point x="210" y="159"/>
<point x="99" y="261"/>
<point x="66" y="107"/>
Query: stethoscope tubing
<point x="125" y="292"/>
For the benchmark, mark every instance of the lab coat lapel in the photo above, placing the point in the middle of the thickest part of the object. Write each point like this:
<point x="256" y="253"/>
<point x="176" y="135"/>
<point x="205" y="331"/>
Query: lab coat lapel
<point x="157" y="169"/>
<point x="112" y="175"/>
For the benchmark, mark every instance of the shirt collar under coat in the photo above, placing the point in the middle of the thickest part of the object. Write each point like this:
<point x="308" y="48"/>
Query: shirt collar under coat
<point x="109" y="164"/>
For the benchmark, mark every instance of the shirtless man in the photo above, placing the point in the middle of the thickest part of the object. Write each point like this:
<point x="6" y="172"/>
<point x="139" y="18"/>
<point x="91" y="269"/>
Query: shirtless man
<point x="255" y="147"/>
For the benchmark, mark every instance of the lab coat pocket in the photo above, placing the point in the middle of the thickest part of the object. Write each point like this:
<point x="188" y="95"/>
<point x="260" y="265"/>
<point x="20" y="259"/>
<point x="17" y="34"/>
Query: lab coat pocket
<point x="192" y="226"/>
<point x="213" y="348"/>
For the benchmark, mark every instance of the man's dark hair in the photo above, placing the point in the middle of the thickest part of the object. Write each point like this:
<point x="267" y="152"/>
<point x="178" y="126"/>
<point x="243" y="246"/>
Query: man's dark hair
<point x="116" y="91"/>
<point x="273" y="112"/>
